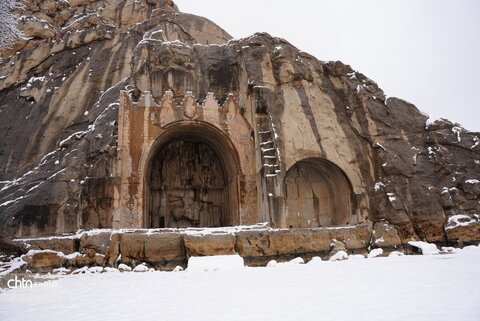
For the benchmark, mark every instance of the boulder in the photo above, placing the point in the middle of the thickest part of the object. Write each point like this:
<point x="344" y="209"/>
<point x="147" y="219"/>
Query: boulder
<point x="44" y="260"/>
<point x="124" y="268"/>
<point x="33" y="27"/>
<point x="463" y="228"/>
<point x="385" y="235"/>
<point x="336" y="246"/>
<point x="472" y="188"/>
<point x="339" y="256"/>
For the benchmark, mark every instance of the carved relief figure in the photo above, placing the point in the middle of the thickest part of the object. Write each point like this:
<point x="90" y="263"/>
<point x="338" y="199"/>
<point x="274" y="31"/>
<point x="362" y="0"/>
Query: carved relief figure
<point x="189" y="181"/>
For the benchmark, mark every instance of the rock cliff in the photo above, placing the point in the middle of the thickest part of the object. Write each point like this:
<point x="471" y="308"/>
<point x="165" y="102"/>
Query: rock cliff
<point x="59" y="99"/>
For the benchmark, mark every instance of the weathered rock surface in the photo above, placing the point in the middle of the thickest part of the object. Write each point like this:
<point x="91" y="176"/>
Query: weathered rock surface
<point x="59" y="94"/>
<point x="58" y="244"/>
<point x="385" y="235"/>
<point x="290" y="241"/>
<point x="55" y="164"/>
<point x="113" y="249"/>
<point x="43" y="261"/>
<point x="8" y="247"/>
<point x="132" y="247"/>
<point x="210" y="244"/>
<point x="463" y="229"/>
<point x="353" y="238"/>
<point x="98" y="242"/>
<point x="166" y="249"/>
<point x="89" y="258"/>
<point x="300" y="241"/>
<point x="252" y="243"/>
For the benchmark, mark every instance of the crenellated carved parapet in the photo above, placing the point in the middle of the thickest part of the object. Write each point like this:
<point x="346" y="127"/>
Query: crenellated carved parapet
<point x="169" y="108"/>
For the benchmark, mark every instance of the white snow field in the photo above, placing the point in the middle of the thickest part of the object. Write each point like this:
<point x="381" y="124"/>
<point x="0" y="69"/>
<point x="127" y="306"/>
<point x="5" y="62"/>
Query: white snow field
<point x="417" y="287"/>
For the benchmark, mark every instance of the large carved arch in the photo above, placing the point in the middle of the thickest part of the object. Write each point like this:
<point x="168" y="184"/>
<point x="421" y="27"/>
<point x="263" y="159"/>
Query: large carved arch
<point x="148" y="124"/>
<point x="192" y="178"/>
<point x="317" y="193"/>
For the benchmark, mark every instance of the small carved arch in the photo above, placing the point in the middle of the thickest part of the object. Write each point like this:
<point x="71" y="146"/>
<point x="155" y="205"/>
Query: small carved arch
<point x="317" y="193"/>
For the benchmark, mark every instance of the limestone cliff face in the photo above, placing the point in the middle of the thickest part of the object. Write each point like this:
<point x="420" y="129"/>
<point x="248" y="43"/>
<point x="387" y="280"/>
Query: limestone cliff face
<point x="56" y="86"/>
<point x="59" y="103"/>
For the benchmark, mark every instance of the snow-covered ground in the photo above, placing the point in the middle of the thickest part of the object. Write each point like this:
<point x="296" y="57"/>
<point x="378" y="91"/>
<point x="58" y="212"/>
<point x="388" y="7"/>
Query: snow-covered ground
<point x="420" y="287"/>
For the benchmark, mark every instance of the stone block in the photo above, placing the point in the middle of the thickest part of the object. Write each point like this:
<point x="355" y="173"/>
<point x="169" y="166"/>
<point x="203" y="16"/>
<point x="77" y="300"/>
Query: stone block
<point x="89" y="259"/>
<point x="132" y="246"/>
<point x="163" y="247"/>
<point x="59" y="244"/>
<point x="44" y="261"/>
<point x="113" y="250"/>
<point x="210" y="244"/>
<point x="299" y="241"/>
<point x="364" y="232"/>
<point x="98" y="241"/>
<point x="252" y="243"/>
<point x="357" y="237"/>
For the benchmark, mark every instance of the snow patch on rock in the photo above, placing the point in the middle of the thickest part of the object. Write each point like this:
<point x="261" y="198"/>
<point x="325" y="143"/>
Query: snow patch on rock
<point x="339" y="256"/>
<point x="374" y="253"/>
<point x="461" y="220"/>
<point x="426" y="248"/>
<point x="141" y="268"/>
<point x="395" y="254"/>
<point x="124" y="268"/>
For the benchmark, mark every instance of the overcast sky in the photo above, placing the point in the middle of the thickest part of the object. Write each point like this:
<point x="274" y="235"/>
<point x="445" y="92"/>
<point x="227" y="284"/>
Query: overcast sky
<point x="424" y="51"/>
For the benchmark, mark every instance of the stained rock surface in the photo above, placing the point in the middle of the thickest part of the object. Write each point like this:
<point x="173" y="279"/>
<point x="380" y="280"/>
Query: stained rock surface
<point x="59" y="92"/>
<point x="165" y="249"/>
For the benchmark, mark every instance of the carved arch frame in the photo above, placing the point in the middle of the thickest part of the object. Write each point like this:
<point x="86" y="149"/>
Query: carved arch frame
<point x="325" y="166"/>
<point x="213" y="137"/>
